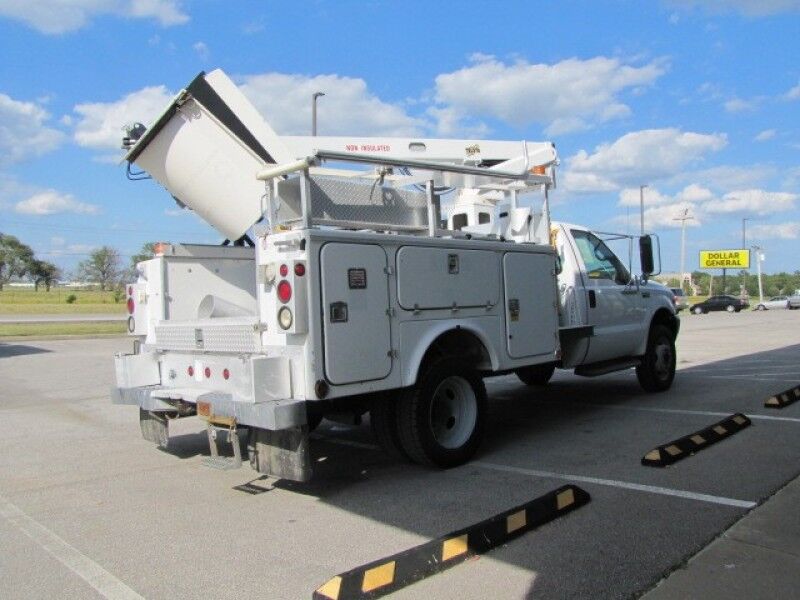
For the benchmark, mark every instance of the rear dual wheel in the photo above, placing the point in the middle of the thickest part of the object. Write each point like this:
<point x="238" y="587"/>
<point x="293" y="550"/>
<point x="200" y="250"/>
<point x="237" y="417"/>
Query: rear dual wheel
<point x="439" y="422"/>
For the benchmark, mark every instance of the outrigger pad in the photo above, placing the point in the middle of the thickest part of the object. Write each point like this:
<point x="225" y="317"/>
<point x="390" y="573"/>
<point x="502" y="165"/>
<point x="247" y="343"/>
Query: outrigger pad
<point x="155" y="427"/>
<point x="283" y="454"/>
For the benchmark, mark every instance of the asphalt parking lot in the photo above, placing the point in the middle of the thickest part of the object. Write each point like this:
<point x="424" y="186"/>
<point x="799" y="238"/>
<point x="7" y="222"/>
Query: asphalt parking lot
<point x="87" y="506"/>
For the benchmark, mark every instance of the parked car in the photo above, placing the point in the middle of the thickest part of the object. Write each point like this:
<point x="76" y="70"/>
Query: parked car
<point x="679" y="299"/>
<point x="728" y="303"/>
<point x="777" y="302"/>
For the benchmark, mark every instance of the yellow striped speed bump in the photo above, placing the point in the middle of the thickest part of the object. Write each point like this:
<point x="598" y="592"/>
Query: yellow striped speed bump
<point x="389" y="574"/>
<point x="786" y="398"/>
<point x="671" y="452"/>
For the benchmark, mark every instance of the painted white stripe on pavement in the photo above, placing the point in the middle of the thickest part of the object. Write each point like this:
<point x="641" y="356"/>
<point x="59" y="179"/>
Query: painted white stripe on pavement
<point x="626" y="485"/>
<point x="77" y="562"/>
<point x="638" y="487"/>
<point x="680" y="411"/>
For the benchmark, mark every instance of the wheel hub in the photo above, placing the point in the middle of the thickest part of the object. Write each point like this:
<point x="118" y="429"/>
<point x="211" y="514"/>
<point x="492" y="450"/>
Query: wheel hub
<point x="454" y="412"/>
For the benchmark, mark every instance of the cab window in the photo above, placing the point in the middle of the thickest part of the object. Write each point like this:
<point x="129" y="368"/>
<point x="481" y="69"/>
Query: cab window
<point x="600" y="261"/>
<point x="459" y="221"/>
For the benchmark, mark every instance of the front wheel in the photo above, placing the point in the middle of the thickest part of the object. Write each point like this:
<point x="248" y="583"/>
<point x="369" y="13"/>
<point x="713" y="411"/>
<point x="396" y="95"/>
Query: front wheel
<point x="442" y="419"/>
<point x="697" y="310"/>
<point x="761" y="307"/>
<point x="730" y="308"/>
<point x="536" y="374"/>
<point x="657" y="369"/>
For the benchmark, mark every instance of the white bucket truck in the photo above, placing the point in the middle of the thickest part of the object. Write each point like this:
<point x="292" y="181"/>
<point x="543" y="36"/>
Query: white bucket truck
<point x="346" y="291"/>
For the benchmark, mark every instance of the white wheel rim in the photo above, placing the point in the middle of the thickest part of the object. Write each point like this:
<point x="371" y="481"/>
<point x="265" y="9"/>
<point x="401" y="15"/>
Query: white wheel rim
<point x="730" y="308"/>
<point x="663" y="359"/>
<point x="453" y="413"/>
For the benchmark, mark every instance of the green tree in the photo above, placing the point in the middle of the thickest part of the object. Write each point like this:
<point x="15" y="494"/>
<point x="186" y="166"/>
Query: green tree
<point x="146" y="253"/>
<point x="15" y="258"/>
<point x="43" y="272"/>
<point x="102" y="267"/>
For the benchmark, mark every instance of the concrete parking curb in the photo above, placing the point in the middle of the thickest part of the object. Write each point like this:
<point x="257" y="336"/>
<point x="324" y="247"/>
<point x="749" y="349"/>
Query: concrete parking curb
<point x="786" y="398"/>
<point x="392" y="573"/>
<point x="671" y="452"/>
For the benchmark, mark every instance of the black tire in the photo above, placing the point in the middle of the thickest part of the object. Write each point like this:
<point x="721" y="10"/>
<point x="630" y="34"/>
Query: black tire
<point x="657" y="369"/>
<point x="537" y="375"/>
<point x="385" y="428"/>
<point x="698" y="310"/>
<point x="446" y="380"/>
<point x="731" y="308"/>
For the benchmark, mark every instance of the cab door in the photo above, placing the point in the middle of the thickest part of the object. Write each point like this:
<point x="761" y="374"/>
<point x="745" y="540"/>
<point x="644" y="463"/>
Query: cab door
<point x="614" y="303"/>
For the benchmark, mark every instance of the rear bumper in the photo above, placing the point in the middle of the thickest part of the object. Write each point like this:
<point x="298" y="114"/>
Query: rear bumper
<point x="273" y="415"/>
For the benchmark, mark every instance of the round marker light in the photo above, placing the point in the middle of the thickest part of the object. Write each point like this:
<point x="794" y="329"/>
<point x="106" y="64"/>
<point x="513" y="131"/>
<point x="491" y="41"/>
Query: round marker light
<point x="285" y="317"/>
<point x="208" y="372"/>
<point x="190" y="371"/>
<point x="284" y="291"/>
<point x="284" y="270"/>
<point x="131" y="306"/>
<point x="226" y="374"/>
<point x="299" y="269"/>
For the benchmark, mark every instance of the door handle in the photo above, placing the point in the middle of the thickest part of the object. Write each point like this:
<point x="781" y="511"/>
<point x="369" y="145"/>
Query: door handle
<point x="592" y="299"/>
<point x="645" y="294"/>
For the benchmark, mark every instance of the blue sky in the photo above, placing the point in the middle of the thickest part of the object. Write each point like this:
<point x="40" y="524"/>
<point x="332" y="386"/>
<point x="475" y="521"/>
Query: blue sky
<point x="700" y="100"/>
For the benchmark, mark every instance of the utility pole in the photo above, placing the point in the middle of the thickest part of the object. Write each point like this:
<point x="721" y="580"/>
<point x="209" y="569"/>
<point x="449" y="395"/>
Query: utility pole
<point x="759" y="258"/>
<point x="314" y="97"/>
<point x="641" y="205"/>
<point x="686" y="217"/>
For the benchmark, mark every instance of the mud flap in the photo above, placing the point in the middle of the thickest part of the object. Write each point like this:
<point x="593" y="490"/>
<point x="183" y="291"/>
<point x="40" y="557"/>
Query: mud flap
<point x="283" y="454"/>
<point x="154" y="426"/>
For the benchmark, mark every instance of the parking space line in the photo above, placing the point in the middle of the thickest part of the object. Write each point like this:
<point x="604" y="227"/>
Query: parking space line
<point x="626" y="485"/>
<point x="84" y="567"/>
<point x="680" y="411"/>
<point x="578" y="478"/>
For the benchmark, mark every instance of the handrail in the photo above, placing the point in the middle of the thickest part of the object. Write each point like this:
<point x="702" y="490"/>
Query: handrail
<point x="273" y="171"/>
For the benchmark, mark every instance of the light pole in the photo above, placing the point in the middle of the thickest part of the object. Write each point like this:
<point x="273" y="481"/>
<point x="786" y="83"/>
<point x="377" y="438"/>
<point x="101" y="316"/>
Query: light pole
<point x="314" y="97"/>
<point x="641" y="206"/>
<point x="686" y="217"/>
<point x="759" y="258"/>
<point x="743" y="291"/>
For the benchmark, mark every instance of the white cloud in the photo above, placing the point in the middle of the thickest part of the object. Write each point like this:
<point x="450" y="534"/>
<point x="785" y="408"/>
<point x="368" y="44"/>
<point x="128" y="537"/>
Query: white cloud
<point x="737" y="105"/>
<point x="202" y="50"/>
<point x="751" y="8"/>
<point x="782" y="231"/>
<point x="101" y="124"/>
<point x="793" y="93"/>
<point x="765" y="135"/>
<point x="666" y="217"/>
<point x="566" y="96"/>
<point x="51" y="202"/>
<point x="60" y="16"/>
<point x="752" y="201"/>
<point x="348" y="108"/>
<point x="24" y="132"/>
<point x="638" y="157"/>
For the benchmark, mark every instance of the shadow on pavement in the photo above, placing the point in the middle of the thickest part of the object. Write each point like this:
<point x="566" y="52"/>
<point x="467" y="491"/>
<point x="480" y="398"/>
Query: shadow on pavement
<point x="9" y="349"/>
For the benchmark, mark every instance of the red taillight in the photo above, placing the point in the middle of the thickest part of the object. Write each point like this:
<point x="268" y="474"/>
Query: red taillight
<point x="208" y="372"/>
<point x="284" y="291"/>
<point x="131" y="306"/>
<point x="226" y="374"/>
<point x="284" y="270"/>
<point x="190" y="371"/>
<point x="299" y="269"/>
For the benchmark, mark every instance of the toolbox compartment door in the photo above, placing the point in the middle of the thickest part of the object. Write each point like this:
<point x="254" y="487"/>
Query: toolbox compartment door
<point x="531" y="311"/>
<point x="355" y="303"/>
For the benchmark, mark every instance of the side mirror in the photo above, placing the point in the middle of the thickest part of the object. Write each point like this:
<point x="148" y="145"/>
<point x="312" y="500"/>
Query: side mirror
<point x="646" y="255"/>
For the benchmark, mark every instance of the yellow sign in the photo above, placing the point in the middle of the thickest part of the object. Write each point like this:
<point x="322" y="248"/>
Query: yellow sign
<point x="725" y="259"/>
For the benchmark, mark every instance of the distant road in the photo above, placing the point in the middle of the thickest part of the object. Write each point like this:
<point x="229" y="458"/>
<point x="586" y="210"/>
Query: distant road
<point x="73" y="318"/>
